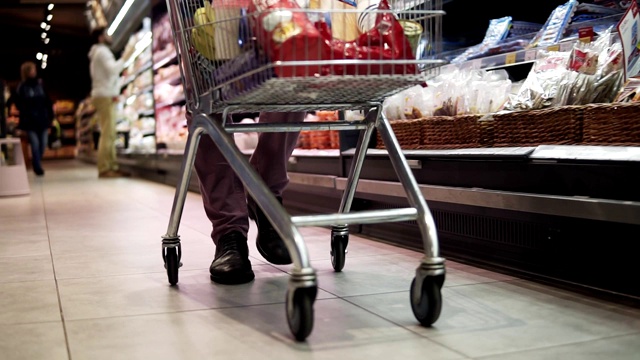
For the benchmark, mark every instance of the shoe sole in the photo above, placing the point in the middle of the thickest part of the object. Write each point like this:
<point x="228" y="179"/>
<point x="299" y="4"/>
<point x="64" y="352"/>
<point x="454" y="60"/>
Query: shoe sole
<point x="271" y="259"/>
<point x="264" y="254"/>
<point x="233" y="279"/>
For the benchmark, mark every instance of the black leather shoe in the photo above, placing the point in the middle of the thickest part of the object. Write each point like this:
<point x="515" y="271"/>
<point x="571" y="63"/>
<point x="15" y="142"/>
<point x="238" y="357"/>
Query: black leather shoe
<point x="269" y="243"/>
<point x="231" y="265"/>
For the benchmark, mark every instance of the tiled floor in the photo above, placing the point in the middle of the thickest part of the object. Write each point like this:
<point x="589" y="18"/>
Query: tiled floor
<point x="82" y="278"/>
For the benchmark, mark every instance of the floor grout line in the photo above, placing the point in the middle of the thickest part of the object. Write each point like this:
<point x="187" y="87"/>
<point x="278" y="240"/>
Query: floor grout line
<point x="189" y="310"/>
<point x="404" y="327"/>
<point x="55" y="279"/>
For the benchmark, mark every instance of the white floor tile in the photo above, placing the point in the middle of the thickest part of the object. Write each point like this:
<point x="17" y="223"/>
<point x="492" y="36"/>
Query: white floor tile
<point x="619" y="348"/>
<point x="40" y="341"/>
<point x="135" y="260"/>
<point x="23" y="236"/>
<point x="258" y="332"/>
<point x="150" y="293"/>
<point x="366" y="275"/>
<point x="20" y="206"/>
<point x="28" y="302"/>
<point x="102" y="240"/>
<point x="487" y="319"/>
<point x="26" y="268"/>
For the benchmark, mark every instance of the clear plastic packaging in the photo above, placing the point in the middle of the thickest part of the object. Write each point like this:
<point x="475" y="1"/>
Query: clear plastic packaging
<point x="541" y="87"/>
<point x="589" y="73"/>
<point x="498" y="30"/>
<point x="455" y="92"/>
<point x="556" y="24"/>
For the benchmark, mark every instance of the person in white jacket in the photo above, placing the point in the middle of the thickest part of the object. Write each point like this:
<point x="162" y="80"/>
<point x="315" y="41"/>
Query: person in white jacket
<point x="105" y="71"/>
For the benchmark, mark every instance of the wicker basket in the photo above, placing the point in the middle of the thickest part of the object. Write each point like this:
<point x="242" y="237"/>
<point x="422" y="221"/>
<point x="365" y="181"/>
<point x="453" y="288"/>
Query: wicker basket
<point x="408" y="133"/>
<point x="612" y="124"/>
<point x="451" y="132"/>
<point x="554" y="126"/>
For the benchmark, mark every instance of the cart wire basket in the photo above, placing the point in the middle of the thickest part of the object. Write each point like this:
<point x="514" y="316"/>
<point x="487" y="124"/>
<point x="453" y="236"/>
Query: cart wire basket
<point x="307" y="55"/>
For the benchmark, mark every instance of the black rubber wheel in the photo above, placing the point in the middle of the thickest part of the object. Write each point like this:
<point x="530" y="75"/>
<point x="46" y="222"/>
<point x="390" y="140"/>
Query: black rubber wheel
<point x="172" y="263"/>
<point x="338" y="251"/>
<point x="300" y="313"/>
<point x="426" y="308"/>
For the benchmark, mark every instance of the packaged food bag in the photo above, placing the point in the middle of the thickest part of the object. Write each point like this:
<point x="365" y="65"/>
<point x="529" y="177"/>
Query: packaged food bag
<point x="287" y="34"/>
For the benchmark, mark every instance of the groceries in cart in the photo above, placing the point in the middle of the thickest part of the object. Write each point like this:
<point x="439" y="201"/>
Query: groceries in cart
<point x="302" y="39"/>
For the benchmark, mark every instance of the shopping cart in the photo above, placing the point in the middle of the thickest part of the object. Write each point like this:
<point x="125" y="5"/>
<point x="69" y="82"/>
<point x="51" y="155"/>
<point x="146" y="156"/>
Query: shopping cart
<point x="232" y="60"/>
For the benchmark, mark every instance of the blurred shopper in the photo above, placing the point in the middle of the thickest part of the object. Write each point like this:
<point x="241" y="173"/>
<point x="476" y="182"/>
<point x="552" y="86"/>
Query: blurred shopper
<point x="36" y="113"/>
<point x="105" y="71"/>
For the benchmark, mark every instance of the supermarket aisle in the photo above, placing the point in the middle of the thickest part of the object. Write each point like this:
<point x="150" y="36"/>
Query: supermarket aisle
<point x="82" y="278"/>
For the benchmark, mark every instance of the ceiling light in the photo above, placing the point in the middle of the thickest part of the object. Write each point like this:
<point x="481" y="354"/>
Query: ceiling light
<point x="50" y="7"/>
<point x="45" y="57"/>
<point x="44" y="35"/>
<point x="43" y="24"/>
<point x="49" y="17"/>
<point x="116" y="22"/>
<point x="44" y="65"/>
<point x="48" y="27"/>
<point x="46" y="41"/>
<point x="39" y="56"/>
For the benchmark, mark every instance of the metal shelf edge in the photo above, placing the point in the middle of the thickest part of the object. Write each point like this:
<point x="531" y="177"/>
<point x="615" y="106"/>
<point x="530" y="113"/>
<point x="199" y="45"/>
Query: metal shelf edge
<point x="577" y="207"/>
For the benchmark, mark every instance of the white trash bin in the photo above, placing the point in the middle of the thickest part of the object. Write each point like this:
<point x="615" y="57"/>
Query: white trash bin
<point x="13" y="171"/>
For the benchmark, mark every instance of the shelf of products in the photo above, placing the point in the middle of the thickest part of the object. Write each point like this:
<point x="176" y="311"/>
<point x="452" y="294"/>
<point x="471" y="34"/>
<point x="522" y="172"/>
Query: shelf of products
<point x="136" y="123"/>
<point x="574" y="92"/>
<point x="164" y="51"/>
<point x="88" y="130"/>
<point x="521" y="48"/>
<point x="171" y="127"/>
<point x="62" y="135"/>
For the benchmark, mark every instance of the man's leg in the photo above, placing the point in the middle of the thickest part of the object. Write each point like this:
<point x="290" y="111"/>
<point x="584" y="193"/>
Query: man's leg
<point x="270" y="160"/>
<point x="222" y="191"/>
<point x="226" y="207"/>
<point x="34" y="141"/>
<point x="44" y="142"/>
<point x="106" y="145"/>
<point x="274" y="150"/>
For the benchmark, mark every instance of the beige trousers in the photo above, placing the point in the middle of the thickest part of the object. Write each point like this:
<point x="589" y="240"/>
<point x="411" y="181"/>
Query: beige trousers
<point x="105" y="113"/>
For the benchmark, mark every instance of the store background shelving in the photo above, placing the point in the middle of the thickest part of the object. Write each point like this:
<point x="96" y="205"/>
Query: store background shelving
<point x="66" y="119"/>
<point x="136" y="113"/>
<point x="169" y="97"/>
<point x="539" y="211"/>
<point x="64" y="112"/>
<point x="530" y="55"/>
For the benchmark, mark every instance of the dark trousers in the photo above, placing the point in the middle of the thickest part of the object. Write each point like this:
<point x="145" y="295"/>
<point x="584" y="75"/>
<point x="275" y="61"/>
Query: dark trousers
<point x="223" y="194"/>
<point x="38" y="143"/>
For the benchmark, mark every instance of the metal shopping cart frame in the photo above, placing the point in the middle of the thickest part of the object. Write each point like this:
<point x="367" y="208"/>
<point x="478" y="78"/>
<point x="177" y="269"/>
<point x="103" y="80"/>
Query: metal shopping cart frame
<point x="209" y="105"/>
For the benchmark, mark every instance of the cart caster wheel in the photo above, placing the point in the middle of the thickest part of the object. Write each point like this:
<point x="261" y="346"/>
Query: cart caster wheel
<point x="172" y="263"/>
<point x="338" y="251"/>
<point x="426" y="300"/>
<point x="300" y="311"/>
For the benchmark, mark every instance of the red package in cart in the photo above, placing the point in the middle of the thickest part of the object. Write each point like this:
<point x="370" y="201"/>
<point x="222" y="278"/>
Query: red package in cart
<point x="386" y="41"/>
<point x="286" y="34"/>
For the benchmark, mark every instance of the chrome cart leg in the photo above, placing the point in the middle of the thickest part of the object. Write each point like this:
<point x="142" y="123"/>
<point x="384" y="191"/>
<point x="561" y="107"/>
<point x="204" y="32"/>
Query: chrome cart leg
<point x="426" y="299"/>
<point x="340" y="232"/>
<point x="171" y="249"/>
<point x="302" y="288"/>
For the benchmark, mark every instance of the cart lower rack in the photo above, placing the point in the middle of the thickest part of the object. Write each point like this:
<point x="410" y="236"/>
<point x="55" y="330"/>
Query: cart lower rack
<point x="221" y="77"/>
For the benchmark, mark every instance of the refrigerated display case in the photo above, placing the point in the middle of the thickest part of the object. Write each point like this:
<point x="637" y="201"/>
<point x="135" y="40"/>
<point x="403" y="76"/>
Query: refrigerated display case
<point x="136" y="121"/>
<point x="539" y="210"/>
<point x="168" y="92"/>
